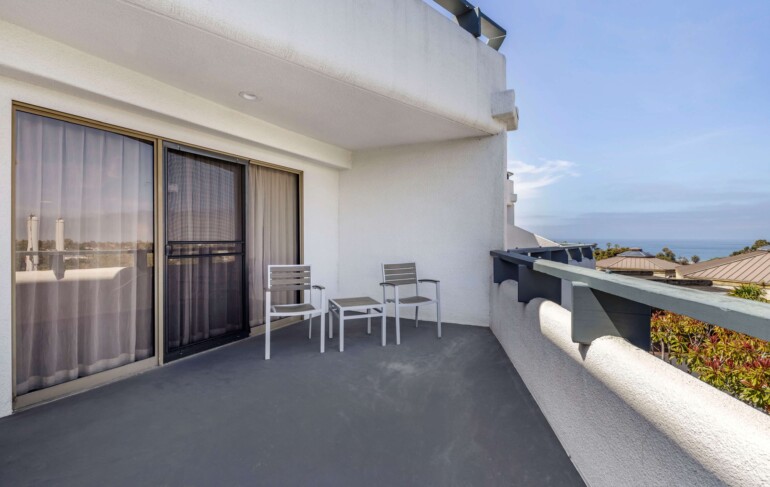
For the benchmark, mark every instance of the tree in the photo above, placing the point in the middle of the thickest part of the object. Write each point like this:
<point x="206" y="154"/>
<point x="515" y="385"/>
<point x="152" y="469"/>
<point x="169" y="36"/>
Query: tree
<point x="694" y="259"/>
<point x="759" y="243"/>
<point x="611" y="251"/>
<point x="667" y="254"/>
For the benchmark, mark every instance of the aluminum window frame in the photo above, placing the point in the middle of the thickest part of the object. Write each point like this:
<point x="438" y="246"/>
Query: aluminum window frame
<point x="41" y="396"/>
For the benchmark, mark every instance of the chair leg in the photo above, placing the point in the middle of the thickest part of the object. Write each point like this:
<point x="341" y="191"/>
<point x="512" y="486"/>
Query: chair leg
<point x="368" y="323"/>
<point x="310" y="328"/>
<point x="267" y="337"/>
<point x="382" y="325"/>
<point x="341" y="318"/>
<point x="438" y="317"/>
<point x="398" y="327"/>
<point x="331" y="324"/>
<point x="323" y="332"/>
<point x="416" y="315"/>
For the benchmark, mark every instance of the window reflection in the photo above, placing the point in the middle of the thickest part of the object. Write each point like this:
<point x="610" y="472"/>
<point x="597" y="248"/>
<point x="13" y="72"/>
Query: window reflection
<point x="84" y="242"/>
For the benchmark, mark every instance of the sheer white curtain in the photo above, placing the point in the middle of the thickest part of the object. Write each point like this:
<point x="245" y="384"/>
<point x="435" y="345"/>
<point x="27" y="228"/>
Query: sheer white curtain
<point x="98" y="313"/>
<point x="272" y="238"/>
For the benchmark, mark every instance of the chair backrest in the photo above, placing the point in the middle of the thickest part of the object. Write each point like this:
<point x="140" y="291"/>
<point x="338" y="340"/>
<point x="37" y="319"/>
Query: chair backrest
<point x="288" y="277"/>
<point x="399" y="274"/>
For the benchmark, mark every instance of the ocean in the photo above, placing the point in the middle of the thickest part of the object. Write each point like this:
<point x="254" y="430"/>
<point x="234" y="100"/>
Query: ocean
<point x="705" y="249"/>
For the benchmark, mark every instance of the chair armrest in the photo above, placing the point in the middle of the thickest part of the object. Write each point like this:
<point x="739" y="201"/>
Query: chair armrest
<point x="434" y="281"/>
<point x="387" y="284"/>
<point x="316" y="286"/>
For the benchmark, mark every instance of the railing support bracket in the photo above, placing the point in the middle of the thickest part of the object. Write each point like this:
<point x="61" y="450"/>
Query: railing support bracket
<point x="504" y="271"/>
<point x="596" y="314"/>
<point x="533" y="284"/>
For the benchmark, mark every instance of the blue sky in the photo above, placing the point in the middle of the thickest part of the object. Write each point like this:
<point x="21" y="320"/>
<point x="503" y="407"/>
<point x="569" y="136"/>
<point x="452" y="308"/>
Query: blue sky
<point x="640" y="119"/>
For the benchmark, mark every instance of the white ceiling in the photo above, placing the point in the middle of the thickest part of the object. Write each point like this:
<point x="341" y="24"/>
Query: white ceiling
<point x="293" y="96"/>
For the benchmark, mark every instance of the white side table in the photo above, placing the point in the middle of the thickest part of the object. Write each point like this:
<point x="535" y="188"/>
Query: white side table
<point x="366" y="308"/>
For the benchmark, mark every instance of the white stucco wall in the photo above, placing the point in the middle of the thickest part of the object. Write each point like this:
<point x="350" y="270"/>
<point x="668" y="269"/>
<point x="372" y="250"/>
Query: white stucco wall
<point x="624" y="416"/>
<point x="6" y="250"/>
<point x="321" y="182"/>
<point x="439" y="205"/>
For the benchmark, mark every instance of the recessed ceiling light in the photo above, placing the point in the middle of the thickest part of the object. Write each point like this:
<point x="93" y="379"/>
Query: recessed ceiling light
<point x="247" y="95"/>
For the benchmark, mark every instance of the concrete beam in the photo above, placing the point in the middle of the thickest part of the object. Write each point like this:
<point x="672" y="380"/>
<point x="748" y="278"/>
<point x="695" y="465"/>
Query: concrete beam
<point x="505" y="110"/>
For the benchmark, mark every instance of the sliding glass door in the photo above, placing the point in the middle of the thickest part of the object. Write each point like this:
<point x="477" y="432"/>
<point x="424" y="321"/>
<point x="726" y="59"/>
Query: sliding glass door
<point x="205" y="263"/>
<point x="87" y="297"/>
<point x="84" y="240"/>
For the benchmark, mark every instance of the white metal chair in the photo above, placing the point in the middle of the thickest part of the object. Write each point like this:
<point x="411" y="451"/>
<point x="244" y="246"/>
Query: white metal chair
<point x="396" y="275"/>
<point x="293" y="278"/>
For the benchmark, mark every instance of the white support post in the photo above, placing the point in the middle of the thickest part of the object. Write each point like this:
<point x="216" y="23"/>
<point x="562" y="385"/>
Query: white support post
<point x="384" y="321"/>
<point x="438" y="309"/>
<point x="323" y="321"/>
<point x="267" y="325"/>
<point x="398" y="321"/>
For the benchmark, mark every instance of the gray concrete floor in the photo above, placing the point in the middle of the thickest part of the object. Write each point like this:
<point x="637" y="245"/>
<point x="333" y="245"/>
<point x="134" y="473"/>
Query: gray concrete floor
<point x="428" y="412"/>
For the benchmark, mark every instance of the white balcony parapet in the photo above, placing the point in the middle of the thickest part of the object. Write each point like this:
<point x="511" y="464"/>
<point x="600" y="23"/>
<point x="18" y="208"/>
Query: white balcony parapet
<point x="624" y="416"/>
<point x="542" y="277"/>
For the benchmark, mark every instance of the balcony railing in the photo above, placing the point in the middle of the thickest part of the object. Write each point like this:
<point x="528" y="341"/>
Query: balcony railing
<point x="470" y="18"/>
<point x="616" y="305"/>
<point x="142" y="258"/>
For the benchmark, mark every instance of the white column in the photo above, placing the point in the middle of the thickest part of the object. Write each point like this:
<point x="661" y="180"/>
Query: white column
<point x="60" y="234"/>
<point x="33" y="237"/>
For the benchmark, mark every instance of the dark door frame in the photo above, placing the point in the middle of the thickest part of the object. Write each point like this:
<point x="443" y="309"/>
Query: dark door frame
<point x="186" y="350"/>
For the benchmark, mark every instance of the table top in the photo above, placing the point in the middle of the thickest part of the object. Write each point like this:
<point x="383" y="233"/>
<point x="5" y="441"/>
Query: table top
<point x="357" y="302"/>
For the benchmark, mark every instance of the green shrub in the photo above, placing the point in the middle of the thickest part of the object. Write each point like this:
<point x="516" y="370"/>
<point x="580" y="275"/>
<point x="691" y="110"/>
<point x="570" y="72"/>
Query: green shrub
<point x="749" y="291"/>
<point x="733" y="362"/>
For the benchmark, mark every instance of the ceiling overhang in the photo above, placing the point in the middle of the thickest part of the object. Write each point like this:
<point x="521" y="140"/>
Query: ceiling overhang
<point x="197" y="57"/>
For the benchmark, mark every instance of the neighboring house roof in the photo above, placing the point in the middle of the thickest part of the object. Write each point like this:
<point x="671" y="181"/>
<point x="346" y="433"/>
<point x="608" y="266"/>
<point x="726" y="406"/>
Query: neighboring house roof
<point x="622" y="263"/>
<point x="635" y="253"/>
<point x="752" y="267"/>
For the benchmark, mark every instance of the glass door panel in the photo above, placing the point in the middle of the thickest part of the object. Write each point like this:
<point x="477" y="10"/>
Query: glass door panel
<point x="83" y="263"/>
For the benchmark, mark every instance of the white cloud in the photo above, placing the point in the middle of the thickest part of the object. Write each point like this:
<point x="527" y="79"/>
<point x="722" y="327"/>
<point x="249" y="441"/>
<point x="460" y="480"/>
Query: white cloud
<point x="529" y="179"/>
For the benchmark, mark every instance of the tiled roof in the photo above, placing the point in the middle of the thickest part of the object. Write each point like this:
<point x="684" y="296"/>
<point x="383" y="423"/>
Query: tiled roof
<point x="753" y="267"/>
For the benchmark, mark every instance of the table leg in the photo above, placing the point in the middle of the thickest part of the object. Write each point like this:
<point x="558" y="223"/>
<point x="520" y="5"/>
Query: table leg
<point x="341" y="318"/>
